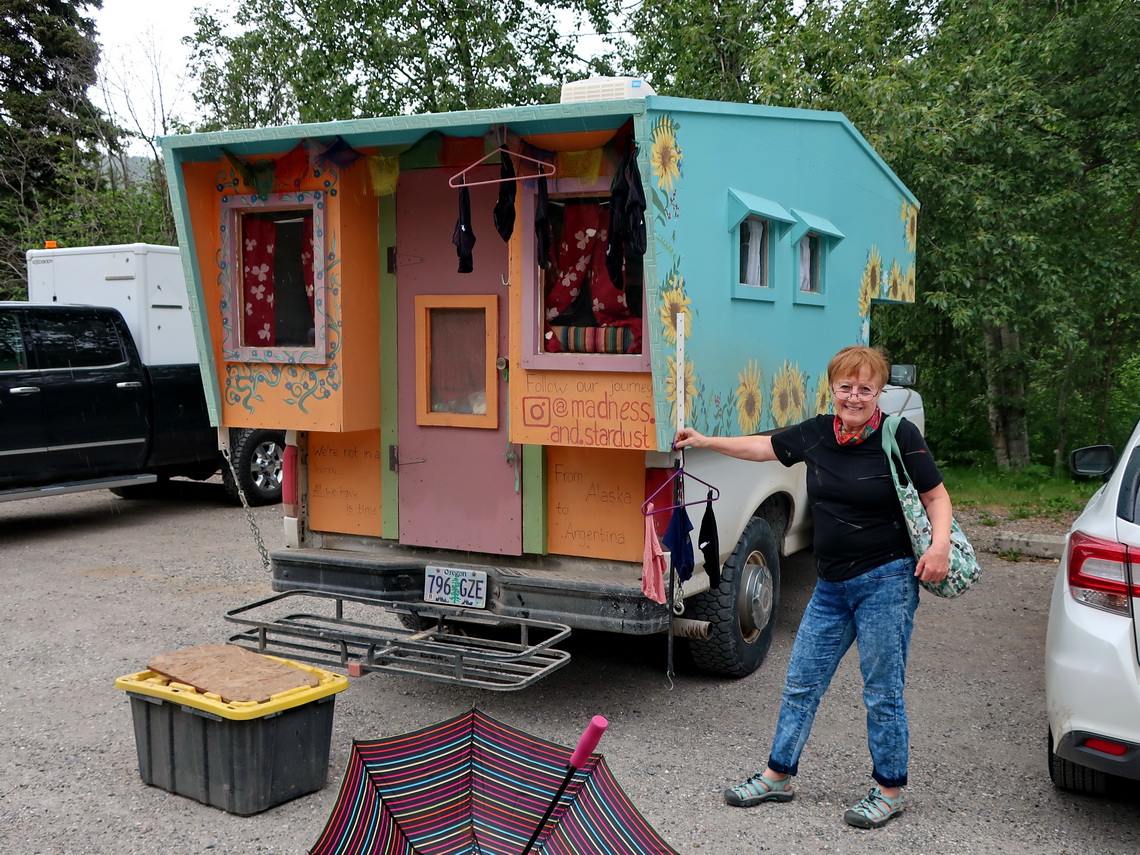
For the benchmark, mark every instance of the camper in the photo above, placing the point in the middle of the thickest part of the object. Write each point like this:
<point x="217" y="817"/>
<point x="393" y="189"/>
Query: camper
<point x="482" y="329"/>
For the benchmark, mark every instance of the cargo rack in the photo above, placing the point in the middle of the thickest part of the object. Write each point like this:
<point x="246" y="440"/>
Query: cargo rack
<point x="466" y="647"/>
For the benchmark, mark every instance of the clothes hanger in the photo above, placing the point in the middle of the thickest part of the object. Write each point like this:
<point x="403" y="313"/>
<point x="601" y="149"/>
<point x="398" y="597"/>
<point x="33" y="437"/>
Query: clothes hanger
<point x="457" y="180"/>
<point x="678" y="473"/>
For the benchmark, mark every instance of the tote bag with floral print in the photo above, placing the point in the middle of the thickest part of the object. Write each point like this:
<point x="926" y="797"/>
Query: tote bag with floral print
<point x="964" y="567"/>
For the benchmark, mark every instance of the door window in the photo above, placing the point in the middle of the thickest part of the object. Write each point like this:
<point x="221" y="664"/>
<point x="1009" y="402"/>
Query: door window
<point x="456" y="350"/>
<point x="12" y="357"/>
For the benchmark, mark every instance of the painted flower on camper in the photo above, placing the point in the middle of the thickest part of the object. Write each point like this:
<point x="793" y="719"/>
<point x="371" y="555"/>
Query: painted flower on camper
<point x="823" y="398"/>
<point x="908" y="215"/>
<point x="871" y="283"/>
<point x="749" y="398"/>
<point x="896" y="282"/>
<point x="909" y="291"/>
<point x="665" y="156"/>
<point x="674" y="302"/>
<point x="690" y="382"/>
<point x="789" y="395"/>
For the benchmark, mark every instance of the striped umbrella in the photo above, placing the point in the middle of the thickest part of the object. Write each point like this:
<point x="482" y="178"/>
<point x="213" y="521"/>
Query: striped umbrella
<point x="475" y="786"/>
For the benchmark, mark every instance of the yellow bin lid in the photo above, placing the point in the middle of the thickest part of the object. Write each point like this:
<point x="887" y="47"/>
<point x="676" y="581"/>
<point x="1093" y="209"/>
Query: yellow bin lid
<point x="157" y="686"/>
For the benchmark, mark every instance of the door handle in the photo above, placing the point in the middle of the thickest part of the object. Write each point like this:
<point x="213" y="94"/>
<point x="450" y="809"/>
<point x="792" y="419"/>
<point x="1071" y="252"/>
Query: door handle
<point x="24" y="390"/>
<point x="129" y="384"/>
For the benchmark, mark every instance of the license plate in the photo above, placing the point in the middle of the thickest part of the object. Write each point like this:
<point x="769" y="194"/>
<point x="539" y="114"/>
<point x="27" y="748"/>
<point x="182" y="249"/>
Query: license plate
<point x="456" y="587"/>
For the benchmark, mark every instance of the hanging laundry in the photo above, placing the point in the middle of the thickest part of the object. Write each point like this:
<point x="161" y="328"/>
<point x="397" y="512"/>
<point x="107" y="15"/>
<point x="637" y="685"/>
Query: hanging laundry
<point x="678" y="542"/>
<point x="653" y="565"/>
<point x="542" y="226"/>
<point x="627" y="224"/>
<point x="504" y="213"/>
<point x="709" y="543"/>
<point x="463" y="237"/>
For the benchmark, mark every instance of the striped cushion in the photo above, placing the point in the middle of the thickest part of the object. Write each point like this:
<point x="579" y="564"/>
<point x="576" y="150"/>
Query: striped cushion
<point x="594" y="339"/>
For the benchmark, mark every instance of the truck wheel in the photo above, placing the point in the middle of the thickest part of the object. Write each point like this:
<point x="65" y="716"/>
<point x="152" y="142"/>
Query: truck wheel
<point x="743" y="608"/>
<point x="1071" y="776"/>
<point x="257" y="457"/>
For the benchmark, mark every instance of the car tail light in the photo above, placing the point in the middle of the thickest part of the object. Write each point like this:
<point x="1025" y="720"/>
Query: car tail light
<point x="1098" y="573"/>
<point x="1106" y="747"/>
<point x="289" y="481"/>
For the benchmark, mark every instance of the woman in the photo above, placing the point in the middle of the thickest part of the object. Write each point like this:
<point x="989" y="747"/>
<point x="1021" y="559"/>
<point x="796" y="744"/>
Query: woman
<point x="867" y="590"/>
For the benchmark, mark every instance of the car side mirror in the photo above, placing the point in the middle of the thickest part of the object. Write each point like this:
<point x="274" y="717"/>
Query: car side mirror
<point x="1093" y="460"/>
<point x="903" y="375"/>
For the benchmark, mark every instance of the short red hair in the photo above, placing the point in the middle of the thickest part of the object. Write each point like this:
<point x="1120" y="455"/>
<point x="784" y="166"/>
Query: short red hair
<point x="853" y="361"/>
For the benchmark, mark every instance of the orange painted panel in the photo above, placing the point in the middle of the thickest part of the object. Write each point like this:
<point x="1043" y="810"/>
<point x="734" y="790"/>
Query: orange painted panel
<point x="344" y="482"/>
<point x="583" y="408"/>
<point x="594" y="501"/>
<point x="303" y="397"/>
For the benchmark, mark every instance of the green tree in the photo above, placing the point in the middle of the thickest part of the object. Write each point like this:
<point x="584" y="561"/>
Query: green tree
<point x="1017" y="128"/>
<point x="318" y="60"/>
<point x="49" y="129"/>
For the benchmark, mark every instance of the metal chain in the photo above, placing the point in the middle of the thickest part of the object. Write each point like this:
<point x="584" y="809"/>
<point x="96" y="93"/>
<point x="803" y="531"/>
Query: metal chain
<point x="248" y="511"/>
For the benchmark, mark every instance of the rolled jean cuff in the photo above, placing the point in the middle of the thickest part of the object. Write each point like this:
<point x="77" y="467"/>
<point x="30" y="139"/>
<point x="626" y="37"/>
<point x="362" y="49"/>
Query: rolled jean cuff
<point x="776" y="766"/>
<point x="885" y="782"/>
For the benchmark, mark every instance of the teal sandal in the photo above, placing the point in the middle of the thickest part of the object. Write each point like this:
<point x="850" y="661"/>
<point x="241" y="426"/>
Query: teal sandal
<point x="874" y="811"/>
<point x="759" y="789"/>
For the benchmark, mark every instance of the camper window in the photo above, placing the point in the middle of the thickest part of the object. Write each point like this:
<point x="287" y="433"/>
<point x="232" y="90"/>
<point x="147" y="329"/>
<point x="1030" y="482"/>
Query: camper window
<point x="589" y="306"/>
<point x="754" y="238"/>
<point x="276" y="278"/>
<point x="809" y="263"/>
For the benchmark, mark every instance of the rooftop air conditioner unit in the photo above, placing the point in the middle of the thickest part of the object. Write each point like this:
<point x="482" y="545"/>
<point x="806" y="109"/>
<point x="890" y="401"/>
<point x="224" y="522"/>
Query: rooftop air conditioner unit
<point x="605" y="89"/>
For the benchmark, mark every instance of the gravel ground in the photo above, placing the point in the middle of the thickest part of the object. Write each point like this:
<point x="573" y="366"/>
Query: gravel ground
<point x="94" y="586"/>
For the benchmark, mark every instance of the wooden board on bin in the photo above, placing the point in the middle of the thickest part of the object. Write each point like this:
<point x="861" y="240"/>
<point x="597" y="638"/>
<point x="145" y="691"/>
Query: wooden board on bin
<point x="230" y="672"/>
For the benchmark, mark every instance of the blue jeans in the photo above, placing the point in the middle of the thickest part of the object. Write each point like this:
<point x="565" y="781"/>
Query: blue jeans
<point x="877" y="611"/>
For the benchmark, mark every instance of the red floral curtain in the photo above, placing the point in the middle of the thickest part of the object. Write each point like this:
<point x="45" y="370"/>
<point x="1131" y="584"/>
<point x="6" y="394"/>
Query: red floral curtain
<point x="308" y="252"/>
<point x="259" y="238"/>
<point x="580" y="278"/>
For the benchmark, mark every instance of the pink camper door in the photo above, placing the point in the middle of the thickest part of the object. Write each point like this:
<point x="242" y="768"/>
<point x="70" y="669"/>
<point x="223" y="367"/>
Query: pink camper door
<point x="459" y="478"/>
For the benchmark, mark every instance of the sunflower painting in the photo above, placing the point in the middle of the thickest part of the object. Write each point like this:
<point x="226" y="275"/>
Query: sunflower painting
<point x="789" y="395"/>
<point x="896" y="282"/>
<point x="675" y="302"/>
<point x="871" y="283"/>
<point x="690" y="390"/>
<point x="908" y="215"/>
<point x="749" y="398"/>
<point x="665" y="156"/>
<point x="822" y="396"/>
<point x="909" y="292"/>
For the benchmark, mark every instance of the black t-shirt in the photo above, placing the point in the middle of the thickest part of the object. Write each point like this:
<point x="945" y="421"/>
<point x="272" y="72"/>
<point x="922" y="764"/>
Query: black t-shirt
<point x="858" y="522"/>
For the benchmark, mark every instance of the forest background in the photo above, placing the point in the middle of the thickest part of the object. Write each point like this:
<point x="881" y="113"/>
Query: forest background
<point x="1016" y="123"/>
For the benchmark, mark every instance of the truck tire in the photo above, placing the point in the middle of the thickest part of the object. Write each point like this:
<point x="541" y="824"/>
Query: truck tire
<point x="1068" y="775"/>
<point x="742" y="609"/>
<point x="258" y="459"/>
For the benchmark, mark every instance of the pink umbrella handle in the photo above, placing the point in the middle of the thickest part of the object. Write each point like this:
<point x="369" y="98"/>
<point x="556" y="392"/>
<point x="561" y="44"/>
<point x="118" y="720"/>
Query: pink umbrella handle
<point x="589" y="740"/>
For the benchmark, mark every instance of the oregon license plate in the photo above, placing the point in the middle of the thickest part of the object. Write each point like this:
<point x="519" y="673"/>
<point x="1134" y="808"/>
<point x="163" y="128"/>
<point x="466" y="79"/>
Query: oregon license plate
<point x="456" y="586"/>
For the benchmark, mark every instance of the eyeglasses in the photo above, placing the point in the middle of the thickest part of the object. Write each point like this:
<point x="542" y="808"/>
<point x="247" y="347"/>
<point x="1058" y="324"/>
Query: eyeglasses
<point x="862" y="393"/>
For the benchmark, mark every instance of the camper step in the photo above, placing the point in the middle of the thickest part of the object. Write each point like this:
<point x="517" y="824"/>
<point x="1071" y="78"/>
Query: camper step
<point x="464" y="647"/>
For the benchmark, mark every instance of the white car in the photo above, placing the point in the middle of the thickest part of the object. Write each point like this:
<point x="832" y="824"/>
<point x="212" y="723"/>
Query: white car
<point x="1092" y="649"/>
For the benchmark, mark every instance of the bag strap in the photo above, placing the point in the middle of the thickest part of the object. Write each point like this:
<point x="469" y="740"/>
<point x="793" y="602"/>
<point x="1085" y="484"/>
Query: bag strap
<point x="891" y="447"/>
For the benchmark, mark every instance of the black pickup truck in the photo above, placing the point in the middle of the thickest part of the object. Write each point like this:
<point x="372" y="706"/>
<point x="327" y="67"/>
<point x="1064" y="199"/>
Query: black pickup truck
<point x="80" y="411"/>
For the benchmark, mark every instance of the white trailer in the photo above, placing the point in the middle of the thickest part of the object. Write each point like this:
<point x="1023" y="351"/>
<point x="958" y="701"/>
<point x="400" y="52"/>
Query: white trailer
<point x="143" y="281"/>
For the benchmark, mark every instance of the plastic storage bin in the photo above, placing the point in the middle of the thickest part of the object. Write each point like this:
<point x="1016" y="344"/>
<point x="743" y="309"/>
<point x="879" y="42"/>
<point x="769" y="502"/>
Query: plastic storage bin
<point x="240" y="757"/>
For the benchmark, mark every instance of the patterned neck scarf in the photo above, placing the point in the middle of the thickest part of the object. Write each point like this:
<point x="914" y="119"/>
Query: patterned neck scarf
<point x="845" y="438"/>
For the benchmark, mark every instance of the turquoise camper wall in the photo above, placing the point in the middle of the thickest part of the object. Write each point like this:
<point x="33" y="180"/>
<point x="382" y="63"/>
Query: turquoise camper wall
<point x="756" y="357"/>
